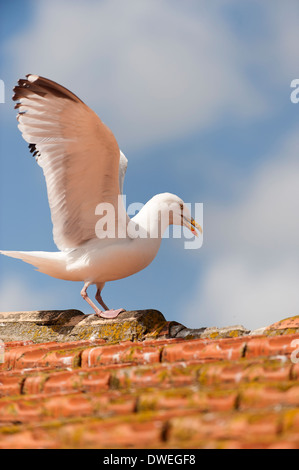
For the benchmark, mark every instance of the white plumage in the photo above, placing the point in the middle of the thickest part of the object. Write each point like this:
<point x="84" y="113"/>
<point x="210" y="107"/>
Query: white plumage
<point x="83" y="168"/>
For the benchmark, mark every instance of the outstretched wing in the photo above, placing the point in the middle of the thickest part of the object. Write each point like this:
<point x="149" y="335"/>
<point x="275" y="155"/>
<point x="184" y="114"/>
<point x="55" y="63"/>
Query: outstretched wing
<point x="78" y="153"/>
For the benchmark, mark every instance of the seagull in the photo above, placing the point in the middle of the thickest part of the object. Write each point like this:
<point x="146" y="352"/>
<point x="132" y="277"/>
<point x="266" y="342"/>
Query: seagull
<point x="84" y="171"/>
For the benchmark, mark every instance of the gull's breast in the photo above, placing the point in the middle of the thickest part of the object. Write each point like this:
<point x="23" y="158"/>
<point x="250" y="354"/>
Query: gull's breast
<point x="103" y="262"/>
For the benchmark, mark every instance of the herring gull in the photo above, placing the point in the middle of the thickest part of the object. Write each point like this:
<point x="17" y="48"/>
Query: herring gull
<point x="84" y="171"/>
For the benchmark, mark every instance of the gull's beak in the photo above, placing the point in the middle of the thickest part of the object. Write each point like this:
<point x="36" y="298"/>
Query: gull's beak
<point x="192" y="225"/>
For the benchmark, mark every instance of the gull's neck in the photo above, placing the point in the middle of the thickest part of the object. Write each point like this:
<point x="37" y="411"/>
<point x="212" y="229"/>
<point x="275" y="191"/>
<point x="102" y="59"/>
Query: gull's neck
<point x="153" y="218"/>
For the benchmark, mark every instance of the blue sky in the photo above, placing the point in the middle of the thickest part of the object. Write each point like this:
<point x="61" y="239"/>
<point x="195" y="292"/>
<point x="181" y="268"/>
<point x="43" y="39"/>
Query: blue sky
<point x="197" y="94"/>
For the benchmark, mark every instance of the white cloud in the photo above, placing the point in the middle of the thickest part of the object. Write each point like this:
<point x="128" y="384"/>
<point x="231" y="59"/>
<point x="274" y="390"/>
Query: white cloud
<point x="18" y="295"/>
<point x="283" y="40"/>
<point x="152" y="70"/>
<point x="263" y="219"/>
<point x="234" y="291"/>
<point x="252" y="274"/>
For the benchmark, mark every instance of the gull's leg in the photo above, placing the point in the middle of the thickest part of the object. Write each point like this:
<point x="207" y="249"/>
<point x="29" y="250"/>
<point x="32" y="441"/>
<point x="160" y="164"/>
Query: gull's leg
<point x="100" y="287"/>
<point x="84" y="294"/>
<point x="107" y="313"/>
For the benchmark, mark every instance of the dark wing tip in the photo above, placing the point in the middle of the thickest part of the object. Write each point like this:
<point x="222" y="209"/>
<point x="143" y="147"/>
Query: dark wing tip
<point x="41" y="86"/>
<point x="35" y="152"/>
<point x="37" y="86"/>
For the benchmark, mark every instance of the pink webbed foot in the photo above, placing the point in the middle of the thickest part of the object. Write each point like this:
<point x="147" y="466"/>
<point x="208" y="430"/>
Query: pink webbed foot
<point x="110" y="313"/>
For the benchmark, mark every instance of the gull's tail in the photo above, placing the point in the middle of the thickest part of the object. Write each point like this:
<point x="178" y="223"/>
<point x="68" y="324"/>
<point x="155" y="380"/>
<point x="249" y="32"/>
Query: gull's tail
<point x="52" y="264"/>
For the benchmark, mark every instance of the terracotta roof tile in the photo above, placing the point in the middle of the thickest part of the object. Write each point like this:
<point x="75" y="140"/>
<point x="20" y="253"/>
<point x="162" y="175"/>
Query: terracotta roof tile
<point x="239" y="391"/>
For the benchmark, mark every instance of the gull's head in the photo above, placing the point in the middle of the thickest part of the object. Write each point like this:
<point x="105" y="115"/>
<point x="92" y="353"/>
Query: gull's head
<point x="173" y="207"/>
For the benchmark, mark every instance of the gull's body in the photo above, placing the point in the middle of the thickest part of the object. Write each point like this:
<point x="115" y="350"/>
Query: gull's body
<point x="97" y="261"/>
<point x="84" y="168"/>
